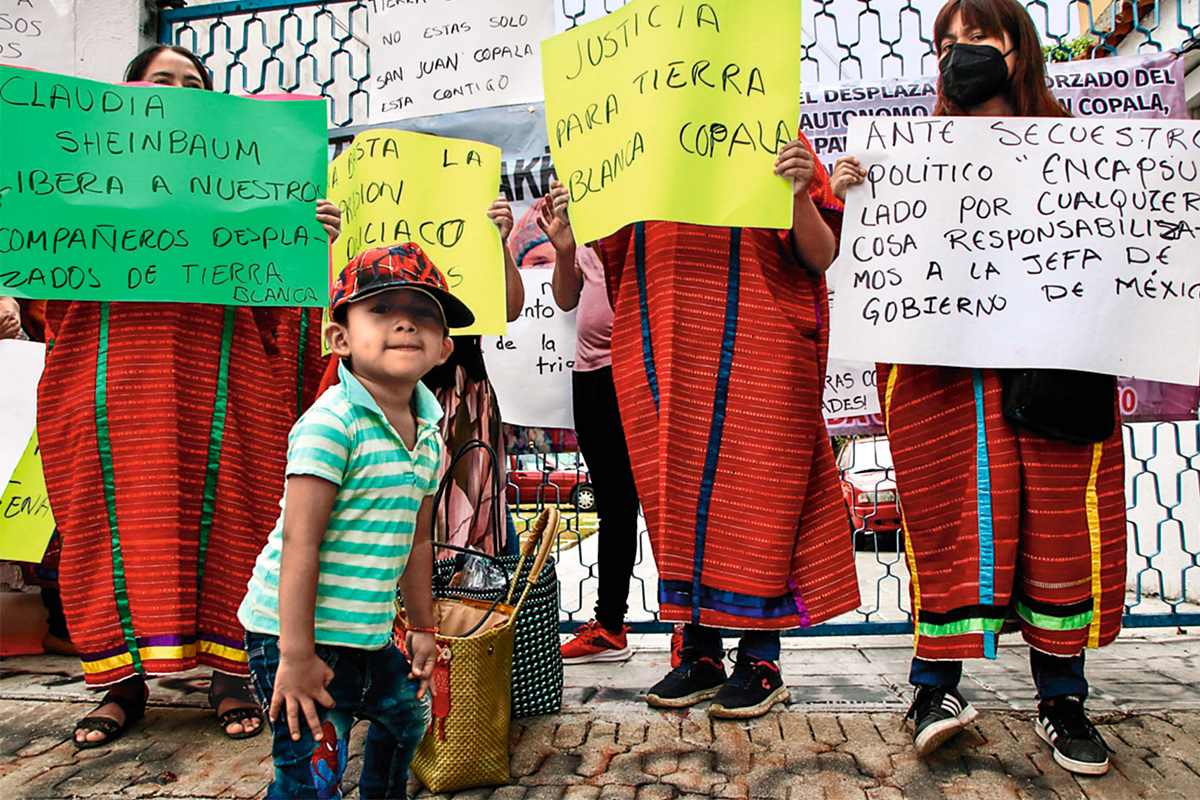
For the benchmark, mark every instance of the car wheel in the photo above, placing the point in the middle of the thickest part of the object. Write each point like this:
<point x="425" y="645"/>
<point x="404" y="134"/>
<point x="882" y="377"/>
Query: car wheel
<point x="584" y="497"/>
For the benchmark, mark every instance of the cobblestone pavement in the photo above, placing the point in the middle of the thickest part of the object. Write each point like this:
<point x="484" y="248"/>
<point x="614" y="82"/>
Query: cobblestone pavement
<point x="842" y="737"/>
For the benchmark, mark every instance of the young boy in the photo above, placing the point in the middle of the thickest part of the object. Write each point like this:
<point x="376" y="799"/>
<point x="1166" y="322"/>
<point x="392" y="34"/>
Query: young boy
<point x="362" y="469"/>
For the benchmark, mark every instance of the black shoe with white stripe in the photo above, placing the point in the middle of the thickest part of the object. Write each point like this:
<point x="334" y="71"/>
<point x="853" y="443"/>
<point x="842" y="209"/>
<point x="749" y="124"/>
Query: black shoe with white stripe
<point x="937" y="714"/>
<point x="1078" y="746"/>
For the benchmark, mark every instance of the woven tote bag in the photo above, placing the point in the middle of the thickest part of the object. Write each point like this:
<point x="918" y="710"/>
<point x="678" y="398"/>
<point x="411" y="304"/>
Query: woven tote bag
<point x="537" y="679"/>
<point x="467" y="741"/>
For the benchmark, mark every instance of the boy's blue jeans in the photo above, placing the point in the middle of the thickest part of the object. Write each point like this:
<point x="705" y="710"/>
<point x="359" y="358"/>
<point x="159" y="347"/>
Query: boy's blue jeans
<point x="367" y="684"/>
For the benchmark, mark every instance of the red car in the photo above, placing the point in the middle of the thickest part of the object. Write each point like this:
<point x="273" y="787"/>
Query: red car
<point x="554" y="478"/>
<point x="869" y="489"/>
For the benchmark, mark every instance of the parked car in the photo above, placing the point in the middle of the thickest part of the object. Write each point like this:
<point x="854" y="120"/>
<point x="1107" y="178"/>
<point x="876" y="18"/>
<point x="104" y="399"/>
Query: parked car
<point x="550" y="478"/>
<point x="869" y="489"/>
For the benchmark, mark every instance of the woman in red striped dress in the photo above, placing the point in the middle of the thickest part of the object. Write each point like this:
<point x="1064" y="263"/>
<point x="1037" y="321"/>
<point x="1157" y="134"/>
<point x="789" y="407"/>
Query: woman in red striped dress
<point x="1001" y="525"/>
<point x="163" y="430"/>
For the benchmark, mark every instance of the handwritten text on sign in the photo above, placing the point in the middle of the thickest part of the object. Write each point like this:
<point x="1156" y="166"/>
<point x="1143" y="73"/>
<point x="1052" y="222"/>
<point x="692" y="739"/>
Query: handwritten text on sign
<point x="651" y="107"/>
<point x="530" y="366"/>
<point x="395" y="187"/>
<point x="134" y="193"/>
<point x="455" y="55"/>
<point x="39" y="34"/>
<point x="987" y="242"/>
<point x="26" y="522"/>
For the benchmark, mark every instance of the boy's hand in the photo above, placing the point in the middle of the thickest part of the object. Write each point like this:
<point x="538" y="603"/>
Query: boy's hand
<point x="298" y="682"/>
<point x="10" y="318"/>
<point x="552" y="218"/>
<point x="423" y="654"/>
<point x="796" y="162"/>
<point x="500" y="213"/>
<point x="330" y="216"/>
<point x="846" y="173"/>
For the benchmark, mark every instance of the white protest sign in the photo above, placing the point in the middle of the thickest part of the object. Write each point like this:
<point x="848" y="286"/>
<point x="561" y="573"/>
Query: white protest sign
<point x="849" y="389"/>
<point x="455" y="55"/>
<point x="1023" y="242"/>
<point x="21" y="364"/>
<point x="530" y="367"/>
<point x="39" y="34"/>
<point x="1142" y="86"/>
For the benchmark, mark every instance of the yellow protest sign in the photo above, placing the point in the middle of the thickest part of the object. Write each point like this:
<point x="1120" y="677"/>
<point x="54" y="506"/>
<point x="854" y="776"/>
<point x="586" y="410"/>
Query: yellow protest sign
<point x="675" y="111"/>
<point x="396" y="186"/>
<point x="26" y="523"/>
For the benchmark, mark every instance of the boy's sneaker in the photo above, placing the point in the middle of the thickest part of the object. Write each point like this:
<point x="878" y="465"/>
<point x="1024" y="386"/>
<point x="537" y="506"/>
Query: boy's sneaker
<point x="594" y="642"/>
<point x="695" y="679"/>
<point x="751" y="690"/>
<point x="937" y="714"/>
<point x="1078" y="746"/>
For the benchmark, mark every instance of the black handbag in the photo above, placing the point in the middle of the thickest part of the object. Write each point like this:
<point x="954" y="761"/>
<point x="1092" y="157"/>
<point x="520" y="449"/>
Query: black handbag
<point x="537" y="671"/>
<point x="1063" y="405"/>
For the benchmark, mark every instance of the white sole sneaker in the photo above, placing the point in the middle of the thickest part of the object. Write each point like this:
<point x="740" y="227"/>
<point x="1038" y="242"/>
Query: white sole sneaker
<point x="1069" y="764"/>
<point x="780" y="695"/>
<point x="624" y="654"/>
<point x="936" y="734"/>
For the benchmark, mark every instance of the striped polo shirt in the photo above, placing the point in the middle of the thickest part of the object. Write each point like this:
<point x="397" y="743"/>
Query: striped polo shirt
<point x="345" y="439"/>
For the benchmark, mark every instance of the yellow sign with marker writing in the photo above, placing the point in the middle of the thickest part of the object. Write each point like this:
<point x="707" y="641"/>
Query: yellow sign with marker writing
<point x="397" y="186"/>
<point x="675" y="111"/>
<point x="26" y="523"/>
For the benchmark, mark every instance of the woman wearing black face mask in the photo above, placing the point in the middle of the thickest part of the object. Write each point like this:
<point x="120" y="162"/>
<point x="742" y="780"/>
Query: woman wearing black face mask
<point x="1001" y="524"/>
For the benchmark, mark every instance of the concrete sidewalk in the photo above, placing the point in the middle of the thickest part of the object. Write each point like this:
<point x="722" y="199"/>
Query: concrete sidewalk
<point x="841" y="737"/>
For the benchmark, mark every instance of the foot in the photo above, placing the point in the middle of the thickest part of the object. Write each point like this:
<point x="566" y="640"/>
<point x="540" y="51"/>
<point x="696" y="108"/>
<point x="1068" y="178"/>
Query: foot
<point x="1078" y="746"/>
<point x="937" y="714"/>
<point x="122" y="706"/>
<point x="238" y="713"/>
<point x="751" y="690"/>
<point x="594" y="642"/>
<point x="694" y="680"/>
<point x="676" y="645"/>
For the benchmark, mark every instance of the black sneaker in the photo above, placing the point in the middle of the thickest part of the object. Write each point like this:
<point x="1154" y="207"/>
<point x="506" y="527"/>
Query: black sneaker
<point x="751" y="690"/>
<point x="695" y="679"/>
<point x="1078" y="746"/>
<point x="937" y="714"/>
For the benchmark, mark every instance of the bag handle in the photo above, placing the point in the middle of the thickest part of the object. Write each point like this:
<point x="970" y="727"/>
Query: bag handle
<point x="545" y="529"/>
<point x="492" y="475"/>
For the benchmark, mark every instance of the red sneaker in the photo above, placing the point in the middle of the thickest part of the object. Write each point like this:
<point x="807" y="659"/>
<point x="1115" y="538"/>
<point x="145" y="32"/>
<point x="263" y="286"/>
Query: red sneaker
<point x="593" y="642"/>
<point x="676" y="645"/>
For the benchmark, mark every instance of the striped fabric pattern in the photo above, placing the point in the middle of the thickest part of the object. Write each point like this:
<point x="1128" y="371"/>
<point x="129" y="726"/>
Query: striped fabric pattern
<point x="346" y="439"/>
<point x="162" y="510"/>
<point x="718" y="358"/>
<point x="1003" y="528"/>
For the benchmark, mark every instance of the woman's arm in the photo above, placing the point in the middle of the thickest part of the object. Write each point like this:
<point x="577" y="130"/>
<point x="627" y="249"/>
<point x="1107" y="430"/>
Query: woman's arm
<point x="813" y="243"/>
<point x="566" y="283"/>
<point x="501" y="214"/>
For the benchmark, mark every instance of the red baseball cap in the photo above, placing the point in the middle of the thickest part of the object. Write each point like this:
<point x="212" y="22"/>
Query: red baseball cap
<point x="401" y="266"/>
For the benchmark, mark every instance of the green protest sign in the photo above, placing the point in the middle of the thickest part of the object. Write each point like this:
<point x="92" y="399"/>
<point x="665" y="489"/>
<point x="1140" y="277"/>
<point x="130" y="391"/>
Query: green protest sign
<point x="159" y="194"/>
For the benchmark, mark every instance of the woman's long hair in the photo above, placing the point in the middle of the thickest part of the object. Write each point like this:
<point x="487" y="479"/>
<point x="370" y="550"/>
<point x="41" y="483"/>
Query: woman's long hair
<point x="1027" y="91"/>
<point x="136" y="71"/>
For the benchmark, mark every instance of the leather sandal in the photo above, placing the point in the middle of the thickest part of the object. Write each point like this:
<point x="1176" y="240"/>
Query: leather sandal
<point x="134" y="710"/>
<point x="229" y="687"/>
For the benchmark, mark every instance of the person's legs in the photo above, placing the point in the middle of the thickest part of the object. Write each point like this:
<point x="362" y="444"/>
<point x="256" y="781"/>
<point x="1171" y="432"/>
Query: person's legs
<point x="1061" y="722"/>
<point x="398" y="723"/>
<point x="755" y="685"/>
<point x="699" y="675"/>
<point x="304" y="767"/>
<point x="602" y="441"/>
<point x="938" y="710"/>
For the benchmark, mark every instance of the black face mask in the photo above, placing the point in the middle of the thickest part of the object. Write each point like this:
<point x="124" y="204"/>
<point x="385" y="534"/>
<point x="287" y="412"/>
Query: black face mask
<point x="973" y="73"/>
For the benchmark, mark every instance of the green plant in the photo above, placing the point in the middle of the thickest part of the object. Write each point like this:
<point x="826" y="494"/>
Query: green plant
<point x="1076" y="48"/>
